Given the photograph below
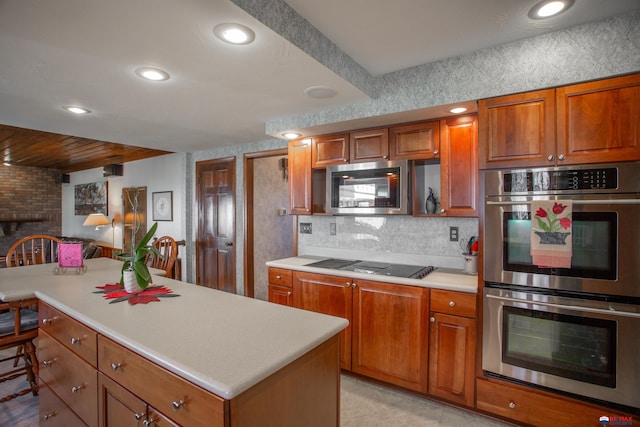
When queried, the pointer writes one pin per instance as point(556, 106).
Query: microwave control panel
point(554, 180)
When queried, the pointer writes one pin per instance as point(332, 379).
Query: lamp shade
point(96, 220)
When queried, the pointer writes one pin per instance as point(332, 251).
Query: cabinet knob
point(278, 277)
point(228, 244)
point(550, 157)
point(75, 340)
point(77, 388)
point(49, 320)
point(435, 152)
point(452, 303)
point(148, 422)
point(512, 405)
point(289, 293)
point(347, 285)
point(115, 366)
point(442, 210)
point(561, 157)
point(47, 417)
point(432, 319)
point(47, 363)
point(139, 416)
point(353, 285)
point(177, 405)
point(385, 157)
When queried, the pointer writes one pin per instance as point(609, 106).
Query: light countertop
point(223, 342)
point(442, 278)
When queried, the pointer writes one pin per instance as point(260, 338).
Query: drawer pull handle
point(46, 417)
point(76, 389)
point(177, 405)
point(75, 340)
point(47, 363)
point(452, 303)
point(512, 405)
point(49, 320)
point(115, 366)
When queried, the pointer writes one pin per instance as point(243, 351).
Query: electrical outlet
point(332, 228)
point(453, 234)
point(305, 228)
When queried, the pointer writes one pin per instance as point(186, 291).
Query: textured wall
point(27, 192)
point(273, 234)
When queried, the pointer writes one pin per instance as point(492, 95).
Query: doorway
point(269, 229)
point(215, 241)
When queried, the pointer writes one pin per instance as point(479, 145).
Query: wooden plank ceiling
point(27, 147)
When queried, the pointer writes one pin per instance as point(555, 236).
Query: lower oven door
point(581, 347)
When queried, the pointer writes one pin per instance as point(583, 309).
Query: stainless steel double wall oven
point(572, 330)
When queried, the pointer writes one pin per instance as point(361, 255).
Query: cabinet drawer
point(69, 377)
point(451, 302)
point(159, 387)
point(530, 406)
point(72, 334)
point(53, 412)
point(280, 277)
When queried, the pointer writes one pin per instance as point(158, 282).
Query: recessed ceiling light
point(76, 110)
point(234, 33)
point(291, 135)
point(320, 92)
point(458, 110)
point(549, 8)
point(151, 73)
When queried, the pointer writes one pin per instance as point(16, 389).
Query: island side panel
point(304, 393)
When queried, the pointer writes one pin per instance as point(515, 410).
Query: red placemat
point(116, 293)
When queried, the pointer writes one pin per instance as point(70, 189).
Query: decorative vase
point(432, 203)
point(130, 282)
point(552, 237)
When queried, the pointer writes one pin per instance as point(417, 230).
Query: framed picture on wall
point(91, 198)
point(162, 206)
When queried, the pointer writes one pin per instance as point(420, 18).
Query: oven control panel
point(553, 180)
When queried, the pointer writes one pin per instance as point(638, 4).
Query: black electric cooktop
point(377, 268)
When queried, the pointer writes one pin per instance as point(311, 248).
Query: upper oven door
point(604, 258)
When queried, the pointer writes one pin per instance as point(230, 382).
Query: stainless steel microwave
point(372, 188)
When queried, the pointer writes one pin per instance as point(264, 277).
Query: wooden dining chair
point(18, 329)
point(167, 246)
point(35, 249)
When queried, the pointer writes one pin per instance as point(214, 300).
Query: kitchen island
point(259, 362)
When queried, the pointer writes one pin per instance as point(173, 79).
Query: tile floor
point(364, 404)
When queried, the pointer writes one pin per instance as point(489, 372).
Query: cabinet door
point(417, 141)
point(328, 295)
point(280, 295)
point(452, 358)
point(517, 130)
point(369, 145)
point(330, 150)
point(459, 166)
point(390, 333)
point(117, 406)
point(299, 160)
point(599, 121)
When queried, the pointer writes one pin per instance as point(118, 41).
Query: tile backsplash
point(400, 239)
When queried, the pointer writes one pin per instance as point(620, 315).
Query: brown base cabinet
point(280, 286)
point(389, 333)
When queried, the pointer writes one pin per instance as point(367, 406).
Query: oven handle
point(575, 202)
point(568, 307)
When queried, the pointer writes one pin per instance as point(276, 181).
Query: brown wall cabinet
point(369, 145)
point(330, 150)
point(416, 141)
point(299, 155)
point(592, 122)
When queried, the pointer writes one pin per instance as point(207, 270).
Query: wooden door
point(328, 295)
point(599, 121)
point(390, 330)
point(299, 159)
point(452, 358)
point(369, 145)
point(459, 166)
point(517, 130)
point(215, 250)
point(415, 141)
point(330, 150)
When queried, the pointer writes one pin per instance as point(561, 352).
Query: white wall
point(164, 173)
